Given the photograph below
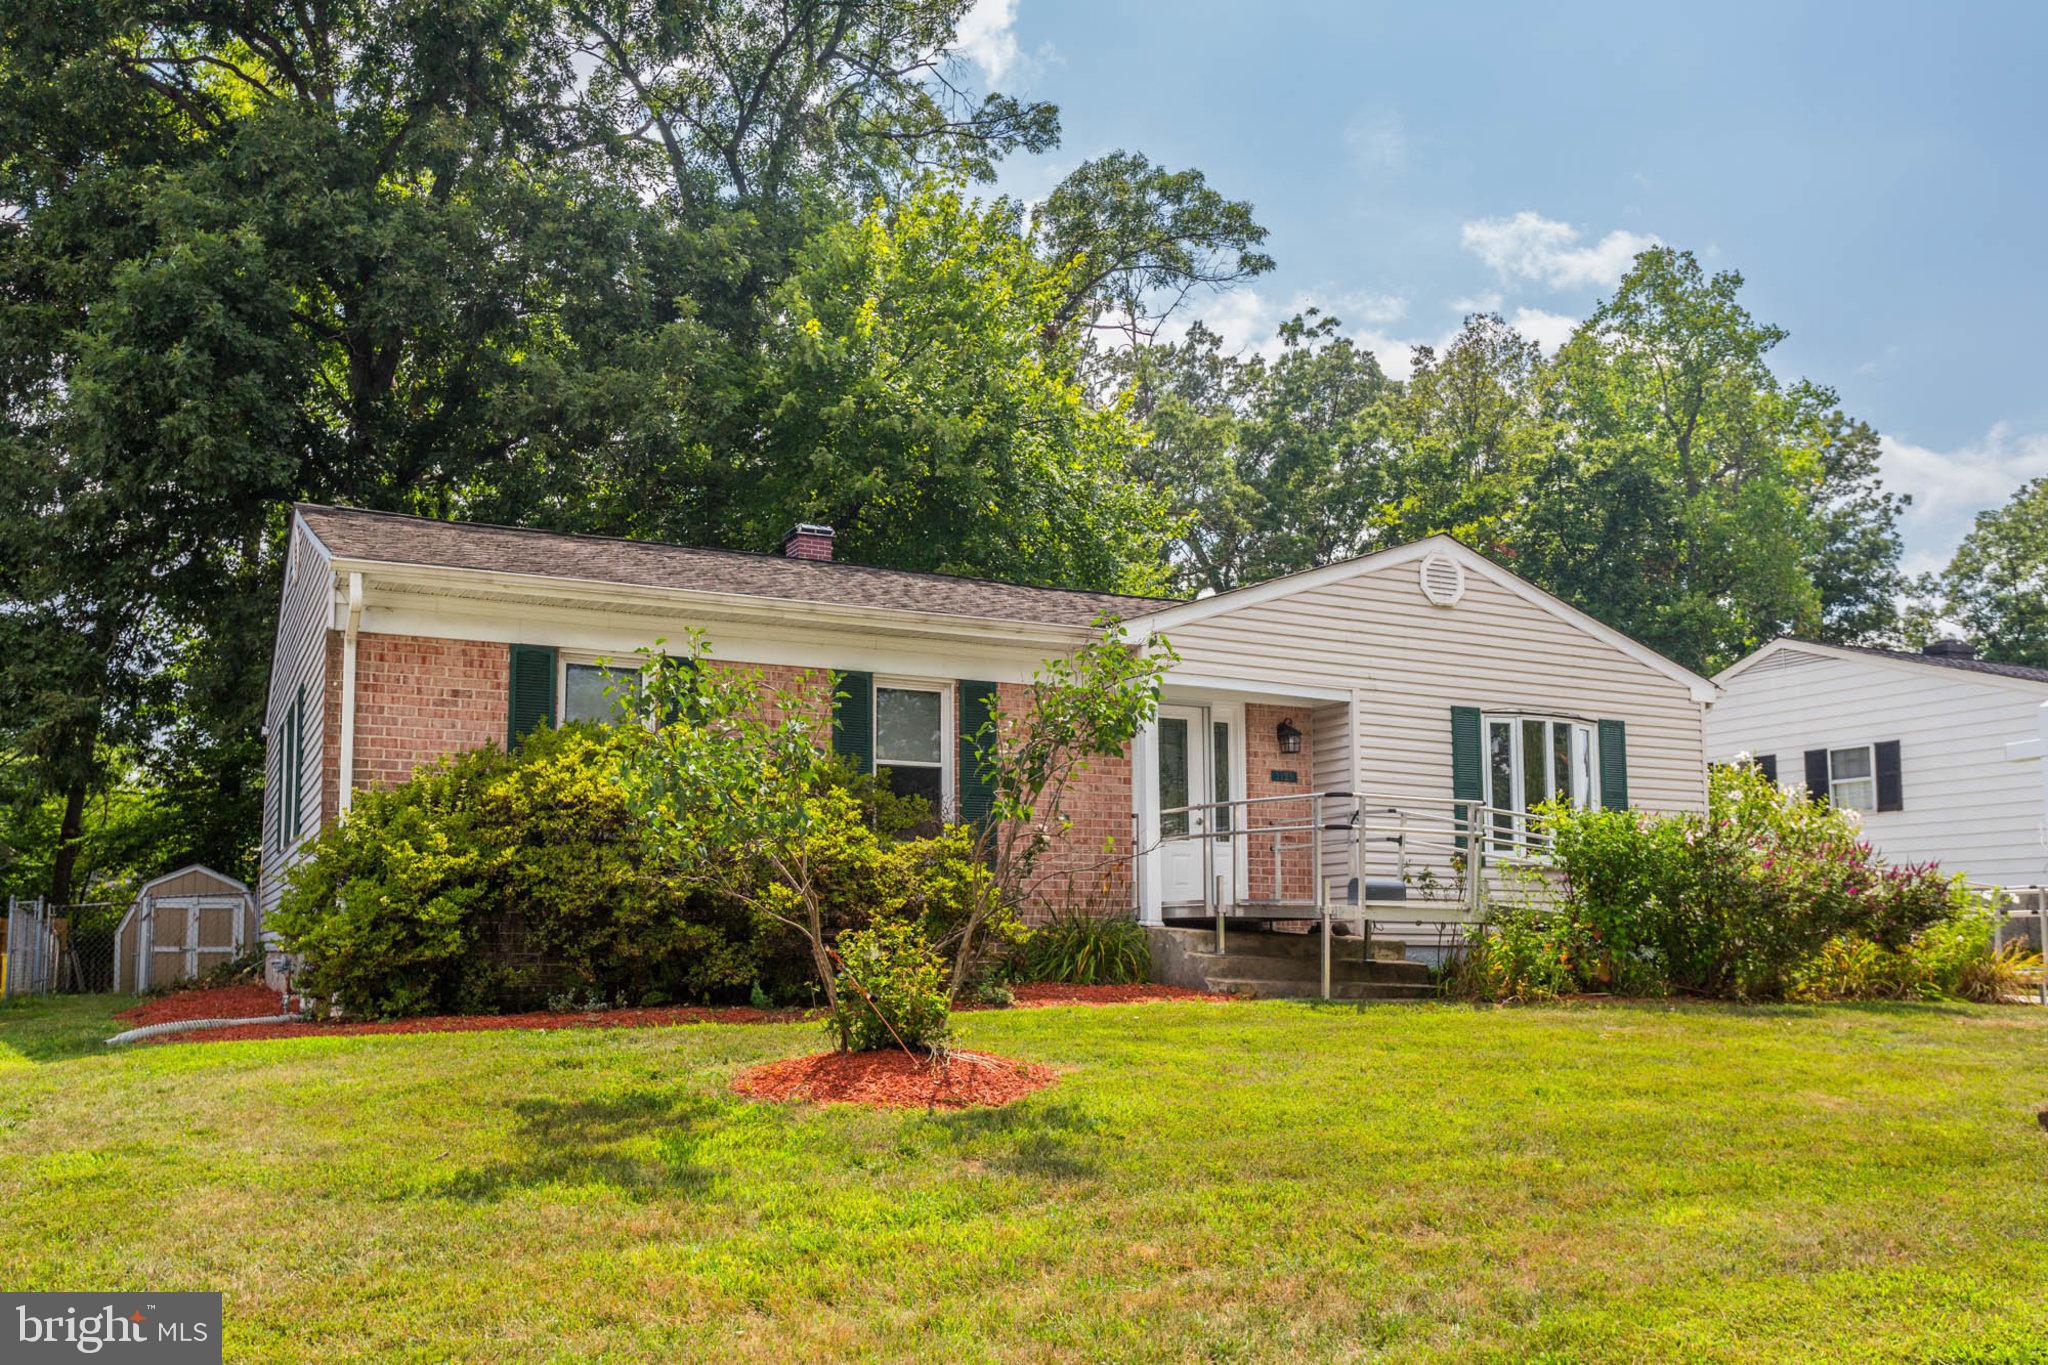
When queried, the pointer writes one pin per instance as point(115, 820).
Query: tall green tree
point(1996, 585)
point(922, 412)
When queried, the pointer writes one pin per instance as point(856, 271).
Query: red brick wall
point(418, 699)
point(1262, 758)
point(1089, 865)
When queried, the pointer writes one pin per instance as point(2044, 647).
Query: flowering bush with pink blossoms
point(1734, 903)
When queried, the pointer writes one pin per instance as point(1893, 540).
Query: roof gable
point(1166, 619)
point(1791, 645)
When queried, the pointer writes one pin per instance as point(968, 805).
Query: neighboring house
point(1939, 750)
point(1425, 676)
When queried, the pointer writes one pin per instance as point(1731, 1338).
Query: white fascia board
point(1702, 690)
point(696, 604)
point(596, 624)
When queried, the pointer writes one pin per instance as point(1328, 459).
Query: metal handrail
point(1463, 836)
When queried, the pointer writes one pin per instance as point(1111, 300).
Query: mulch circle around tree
point(221, 1002)
point(895, 1080)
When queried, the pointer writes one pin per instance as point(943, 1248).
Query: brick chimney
point(808, 541)
point(1950, 649)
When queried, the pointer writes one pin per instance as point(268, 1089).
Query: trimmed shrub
point(495, 881)
point(1765, 894)
point(1081, 949)
point(892, 989)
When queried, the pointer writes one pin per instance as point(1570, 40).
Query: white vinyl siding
point(1966, 804)
point(1410, 662)
point(298, 670)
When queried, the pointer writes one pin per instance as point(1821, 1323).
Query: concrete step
point(1276, 988)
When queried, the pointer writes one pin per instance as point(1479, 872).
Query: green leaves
point(1996, 586)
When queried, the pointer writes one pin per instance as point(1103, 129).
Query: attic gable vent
point(1443, 580)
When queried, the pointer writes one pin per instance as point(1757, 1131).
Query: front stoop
point(1271, 966)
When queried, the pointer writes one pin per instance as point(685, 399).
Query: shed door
point(188, 935)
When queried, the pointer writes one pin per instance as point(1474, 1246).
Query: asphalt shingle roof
point(391, 538)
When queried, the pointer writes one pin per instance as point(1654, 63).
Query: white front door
point(1196, 759)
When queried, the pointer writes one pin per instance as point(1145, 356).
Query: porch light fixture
point(1290, 738)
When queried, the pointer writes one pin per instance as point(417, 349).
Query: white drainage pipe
point(136, 1035)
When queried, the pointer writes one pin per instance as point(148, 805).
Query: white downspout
point(347, 784)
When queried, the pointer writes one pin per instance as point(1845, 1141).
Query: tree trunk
point(70, 832)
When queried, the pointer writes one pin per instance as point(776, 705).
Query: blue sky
point(1875, 171)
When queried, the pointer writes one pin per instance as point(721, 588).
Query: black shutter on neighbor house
point(1468, 768)
point(1817, 774)
point(853, 720)
point(976, 710)
point(1890, 792)
point(1613, 765)
point(1767, 764)
point(530, 702)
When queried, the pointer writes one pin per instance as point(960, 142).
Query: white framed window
point(914, 740)
point(1531, 760)
point(1852, 777)
point(594, 691)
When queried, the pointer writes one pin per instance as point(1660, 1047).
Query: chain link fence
point(59, 949)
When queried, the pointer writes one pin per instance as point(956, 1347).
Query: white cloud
point(987, 37)
point(1950, 487)
point(1529, 246)
point(1376, 142)
point(1377, 310)
point(1546, 329)
point(1488, 302)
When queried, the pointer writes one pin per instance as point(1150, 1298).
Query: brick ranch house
point(1404, 685)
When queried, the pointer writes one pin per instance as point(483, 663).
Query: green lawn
point(1228, 1181)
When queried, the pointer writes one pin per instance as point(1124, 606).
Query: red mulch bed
point(666, 1016)
point(222, 1002)
point(218, 1005)
point(895, 1080)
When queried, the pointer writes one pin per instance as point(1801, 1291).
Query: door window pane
point(1219, 767)
point(1173, 774)
point(907, 726)
point(595, 693)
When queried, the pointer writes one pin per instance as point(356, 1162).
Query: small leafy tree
point(740, 769)
point(1080, 709)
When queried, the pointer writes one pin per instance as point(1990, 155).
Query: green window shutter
point(531, 700)
point(853, 720)
point(1468, 774)
point(977, 704)
point(296, 783)
point(1613, 765)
